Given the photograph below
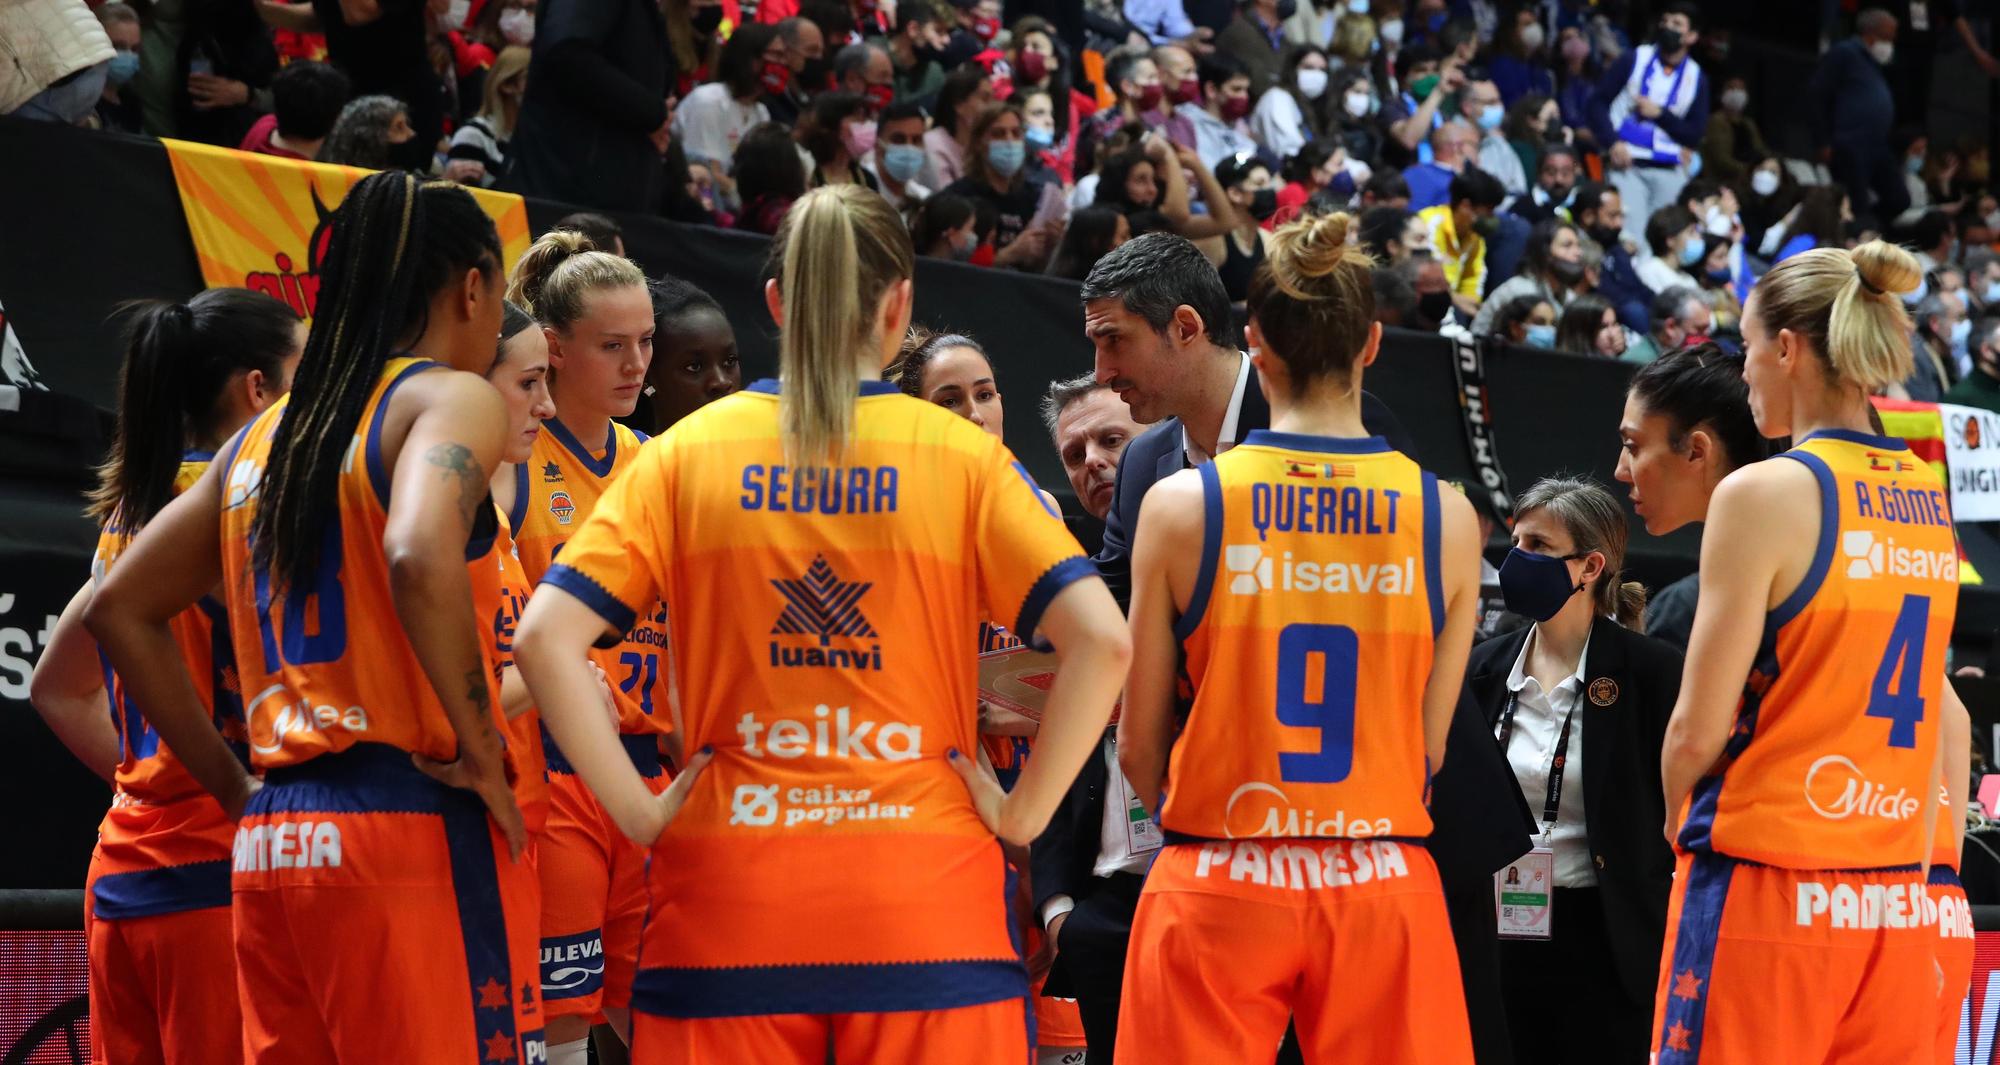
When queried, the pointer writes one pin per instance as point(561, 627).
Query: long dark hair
point(178, 359)
point(1321, 115)
point(1087, 240)
point(394, 242)
point(1059, 82)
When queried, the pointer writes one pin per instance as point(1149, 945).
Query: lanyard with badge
point(1524, 891)
point(1142, 833)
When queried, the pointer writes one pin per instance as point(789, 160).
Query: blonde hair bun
point(1886, 268)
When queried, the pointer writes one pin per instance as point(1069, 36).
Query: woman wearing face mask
point(1768, 196)
point(1041, 67)
point(1819, 221)
point(1319, 169)
point(368, 133)
point(478, 152)
point(692, 37)
point(1030, 212)
point(1527, 321)
point(1356, 128)
point(961, 100)
point(1551, 271)
point(1590, 326)
point(1245, 184)
point(838, 131)
point(1520, 64)
point(1579, 702)
point(946, 228)
point(1674, 244)
point(1299, 107)
point(1532, 122)
point(1733, 142)
point(1576, 78)
point(713, 119)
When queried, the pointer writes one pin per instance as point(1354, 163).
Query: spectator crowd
point(1539, 172)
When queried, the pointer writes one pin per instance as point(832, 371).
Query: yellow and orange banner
point(260, 222)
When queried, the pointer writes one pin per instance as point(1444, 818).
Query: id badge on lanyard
point(1142, 833)
point(1524, 890)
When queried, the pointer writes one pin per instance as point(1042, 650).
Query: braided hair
point(395, 242)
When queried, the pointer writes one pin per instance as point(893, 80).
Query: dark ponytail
point(395, 241)
point(1702, 387)
point(178, 359)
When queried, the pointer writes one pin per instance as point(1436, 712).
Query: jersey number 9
point(1316, 678)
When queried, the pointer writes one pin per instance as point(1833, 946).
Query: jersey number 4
point(1316, 678)
point(1902, 665)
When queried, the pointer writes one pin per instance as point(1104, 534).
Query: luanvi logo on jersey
point(1251, 571)
point(1869, 555)
point(822, 607)
point(1837, 790)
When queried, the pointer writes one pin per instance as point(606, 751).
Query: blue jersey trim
point(1829, 530)
point(1331, 445)
point(1697, 832)
point(365, 778)
point(1211, 550)
point(1706, 896)
point(518, 513)
point(1945, 876)
point(1851, 436)
point(769, 387)
point(882, 987)
point(600, 467)
point(378, 474)
point(197, 455)
point(1433, 564)
point(1059, 576)
point(482, 927)
point(643, 748)
point(594, 595)
point(167, 889)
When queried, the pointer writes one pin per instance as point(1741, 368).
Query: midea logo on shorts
point(1837, 790)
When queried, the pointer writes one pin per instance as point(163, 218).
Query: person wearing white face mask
point(1733, 143)
point(1852, 113)
point(1520, 64)
point(1480, 105)
point(1299, 108)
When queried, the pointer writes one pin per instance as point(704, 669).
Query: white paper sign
point(1972, 459)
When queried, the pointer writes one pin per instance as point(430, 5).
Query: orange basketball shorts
point(378, 917)
point(1792, 965)
point(1954, 957)
point(993, 1033)
point(593, 890)
point(1349, 937)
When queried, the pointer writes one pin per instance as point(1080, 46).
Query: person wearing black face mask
point(1599, 211)
point(917, 49)
point(1553, 271)
point(1244, 182)
point(1579, 703)
point(1650, 109)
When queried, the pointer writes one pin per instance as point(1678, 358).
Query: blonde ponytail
point(837, 252)
point(1849, 306)
point(558, 272)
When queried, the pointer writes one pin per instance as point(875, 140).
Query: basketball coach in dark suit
point(1156, 312)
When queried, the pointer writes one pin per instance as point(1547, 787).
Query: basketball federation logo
point(561, 506)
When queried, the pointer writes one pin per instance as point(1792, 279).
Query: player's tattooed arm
point(455, 462)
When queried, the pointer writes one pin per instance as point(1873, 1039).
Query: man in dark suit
point(1157, 314)
point(1631, 682)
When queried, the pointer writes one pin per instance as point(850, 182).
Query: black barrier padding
point(41, 910)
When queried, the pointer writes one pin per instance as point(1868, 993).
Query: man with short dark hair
point(1458, 234)
point(917, 48)
point(899, 155)
point(1156, 312)
point(1649, 111)
point(1554, 188)
point(1218, 117)
point(305, 99)
point(805, 56)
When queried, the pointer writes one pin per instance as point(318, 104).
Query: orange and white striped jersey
point(554, 492)
point(1827, 765)
point(829, 860)
point(1307, 641)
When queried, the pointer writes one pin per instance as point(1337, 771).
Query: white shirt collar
point(1519, 678)
point(1225, 439)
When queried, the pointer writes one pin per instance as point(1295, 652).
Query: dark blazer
point(1624, 809)
point(599, 79)
point(1156, 455)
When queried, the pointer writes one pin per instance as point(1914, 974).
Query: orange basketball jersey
point(554, 491)
point(1307, 640)
point(1828, 762)
point(829, 860)
point(327, 666)
point(524, 733)
point(164, 844)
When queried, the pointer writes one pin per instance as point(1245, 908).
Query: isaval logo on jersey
point(823, 608)
point(1869, 556)
point(1251, 572)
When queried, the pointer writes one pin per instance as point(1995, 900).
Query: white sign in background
point(1972, 460)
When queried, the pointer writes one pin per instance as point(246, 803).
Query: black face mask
point(1287, 8)
point(412, 154)
point(1486, 227)
point(1565, 271)
point(1668, 41)
point(927, 54)
point(813, 77)
point(1434, 306)
point(707, 20)
point(1604, 235)
point(1263, 204)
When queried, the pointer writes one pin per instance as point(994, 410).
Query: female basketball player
point(954, 372)
point(1324, 624)
point(829, 882)
point(339, 524)
point(1803, 758)
point(1687, 425)
point(694, 352)
point(156, 899)
point(597, 320)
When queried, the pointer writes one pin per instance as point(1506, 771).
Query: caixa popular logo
point(1836, 789)
point(822, 608)
point(573, 965)
point(561, 506)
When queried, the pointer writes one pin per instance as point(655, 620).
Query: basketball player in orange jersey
point(1323, 626)
point(954, 372)
point(832, 888)
point(156, 899)
point(1803, 759)
point(597, 320)
point(379, 911)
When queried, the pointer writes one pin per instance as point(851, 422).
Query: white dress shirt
point(1225, 439)
point(1538, 718)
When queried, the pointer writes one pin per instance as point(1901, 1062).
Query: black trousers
point(1565, 1003)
